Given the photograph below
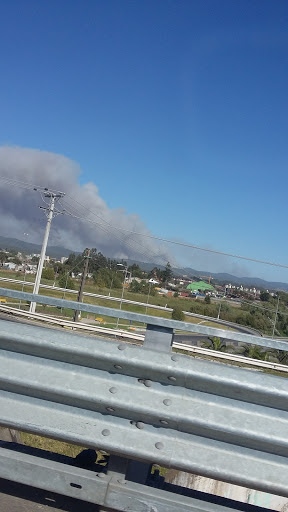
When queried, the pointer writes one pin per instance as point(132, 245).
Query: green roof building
point(199, 285)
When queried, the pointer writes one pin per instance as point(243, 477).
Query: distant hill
point(248, 281)
point(28, 248)
point(218, 278)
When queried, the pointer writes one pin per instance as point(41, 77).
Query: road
point(197, 339)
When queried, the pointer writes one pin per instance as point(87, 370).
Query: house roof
point(200, 285)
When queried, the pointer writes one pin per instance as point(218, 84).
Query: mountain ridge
point(225, 278)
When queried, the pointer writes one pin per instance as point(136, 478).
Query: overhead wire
point(184, 244)
point(110, 230)
point(41, 190)
point(257, 306)
point(147, 235)
point(129, 243)
point(25, 185)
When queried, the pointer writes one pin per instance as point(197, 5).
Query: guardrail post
point(158, 338)
point(117, 467)
point(138, 472)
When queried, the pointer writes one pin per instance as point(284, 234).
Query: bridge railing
point(153, 323)
point(142, 405)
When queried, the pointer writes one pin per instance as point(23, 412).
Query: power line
point(110, 227)
point(26, 185)
point(43, 190)
point(257, 306)
point(183, 244)
point(154, 237)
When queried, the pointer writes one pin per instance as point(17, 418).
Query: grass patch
point(50, 445)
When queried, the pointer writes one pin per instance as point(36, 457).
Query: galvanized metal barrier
point(132, 302)
point(139, 404)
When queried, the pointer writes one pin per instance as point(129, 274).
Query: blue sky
point(176, 110)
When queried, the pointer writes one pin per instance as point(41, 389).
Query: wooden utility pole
point(80, 294)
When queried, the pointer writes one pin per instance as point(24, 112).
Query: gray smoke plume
point(21, 217)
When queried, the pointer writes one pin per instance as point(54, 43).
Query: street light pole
point(275, 319)
point(23, 287)
point(81, 290)
point(111, 286)
point(148, 297)
point(123, 287)
point(219, 310)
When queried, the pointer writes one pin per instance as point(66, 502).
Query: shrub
point(177, 314)
point(48, 273)
point(66, 283)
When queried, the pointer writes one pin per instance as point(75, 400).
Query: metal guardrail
point(226, 356)
point(140, 403)
point(119, 333)
point(151, 320)
point(122, 334)
point(136, 303)
point(109, 489)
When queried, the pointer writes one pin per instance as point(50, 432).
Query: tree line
point(106, 272)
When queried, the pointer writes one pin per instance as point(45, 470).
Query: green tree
point(207, 299)
point(155, 273)
point(136, 271)
point(74, 262)
point(96, 261)
point(254, 352)
point(135, 287)
point(107, 278)
point(225, 308)
point(215, 344)
point(66, 282)
point(3, 257)
point(177, 314)
point(167, 274)
point(265, 296)
point(12, 252)
point(48, 273)
point(58, 268)
point(70, 262)
point(142, 287)
point(16, 260)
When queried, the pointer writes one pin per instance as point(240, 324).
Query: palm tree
point(215, 344)
point(254, 352)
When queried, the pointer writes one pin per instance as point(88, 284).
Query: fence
point(142, 405)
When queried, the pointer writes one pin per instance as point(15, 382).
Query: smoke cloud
point(21, 217)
